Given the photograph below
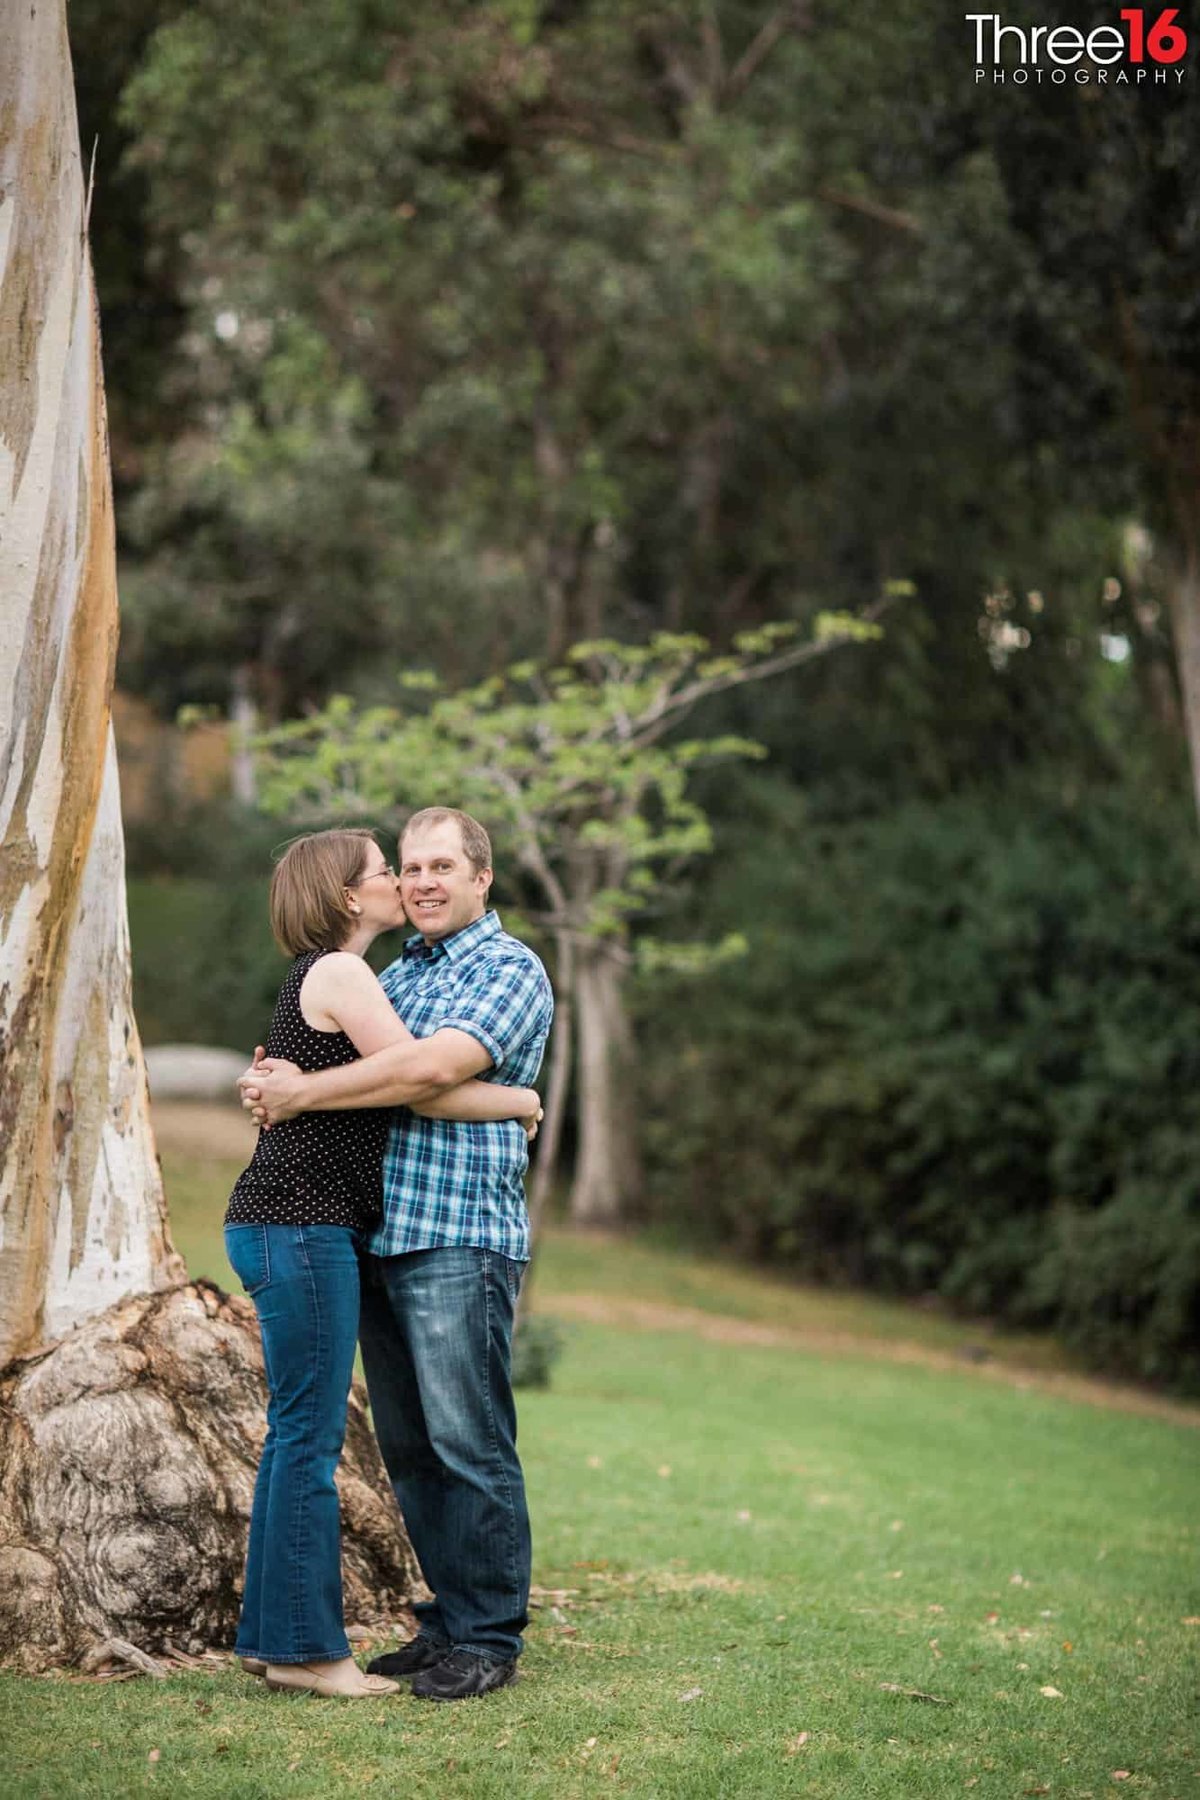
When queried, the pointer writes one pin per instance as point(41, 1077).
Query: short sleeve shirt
point(449, 1182)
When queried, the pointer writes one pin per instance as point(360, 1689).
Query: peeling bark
point(81, 1209)
point(128, 1454)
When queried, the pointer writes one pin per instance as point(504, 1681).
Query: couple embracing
point(406, 1228)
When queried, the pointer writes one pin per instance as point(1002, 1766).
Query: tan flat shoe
point(252, 1665)
point(342, 1680)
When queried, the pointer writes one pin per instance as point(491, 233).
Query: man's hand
point(272, 1090)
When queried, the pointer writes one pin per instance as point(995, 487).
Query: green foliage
point(572, 764)
point(205, 967)
point(537, 1346)
point(960, 1058)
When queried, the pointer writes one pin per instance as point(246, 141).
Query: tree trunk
point(1185, 629)
point(558, 1087)
point(607, 1170)
point(243, 720)
point(81, 1209)
point(127, 1447)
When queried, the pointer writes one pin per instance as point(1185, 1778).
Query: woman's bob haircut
point(309, 906)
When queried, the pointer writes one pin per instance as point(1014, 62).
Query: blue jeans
point(303, 1280)
point(437, 1349)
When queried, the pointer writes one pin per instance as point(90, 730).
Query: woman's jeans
point(437, 1331)
point(303, 1280)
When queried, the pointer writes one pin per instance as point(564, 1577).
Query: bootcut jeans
point(303, 1280)
point(436, 1333)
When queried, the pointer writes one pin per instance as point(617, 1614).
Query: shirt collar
point(460, 944)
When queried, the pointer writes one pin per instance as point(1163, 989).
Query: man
point(443, 1270)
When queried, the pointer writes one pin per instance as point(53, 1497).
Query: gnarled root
point(127, 1459)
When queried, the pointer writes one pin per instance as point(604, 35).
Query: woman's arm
point(482, 1100)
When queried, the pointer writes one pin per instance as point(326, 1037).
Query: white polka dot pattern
point(320, 1168)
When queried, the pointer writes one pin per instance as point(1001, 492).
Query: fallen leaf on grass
point(1016, 1579)
point(664, 1470)
point(1050, 1693)
point(154, 1756)
point(1043, 1789)
point(293, 1765)
point(895, 1574)
point(1120, 1774)
point(894, 1687)
point(990, 1618)
point(1192, 1619)
point(691, 1694)
point(503, 1741)
point(797, 1743)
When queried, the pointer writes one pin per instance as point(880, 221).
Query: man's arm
point(395, 1076)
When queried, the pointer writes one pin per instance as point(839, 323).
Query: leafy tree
point(580, 766)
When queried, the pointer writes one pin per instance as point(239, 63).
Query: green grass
point(752, 1542)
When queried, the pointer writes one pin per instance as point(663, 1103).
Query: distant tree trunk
point(128, 1401)
point(1184, 598)
point(243, 718)
point(558, 1085)
point(607, 1168)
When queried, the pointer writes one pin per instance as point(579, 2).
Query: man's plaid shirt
point(452, 1182)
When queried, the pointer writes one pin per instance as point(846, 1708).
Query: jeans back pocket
point(249, 1256)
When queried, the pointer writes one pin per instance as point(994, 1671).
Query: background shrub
point(961, 1058)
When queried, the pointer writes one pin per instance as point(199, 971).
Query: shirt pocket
point(249, 1256)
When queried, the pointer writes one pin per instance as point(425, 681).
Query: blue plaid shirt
point(452, 1182)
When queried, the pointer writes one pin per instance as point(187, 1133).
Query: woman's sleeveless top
point(320, 1168)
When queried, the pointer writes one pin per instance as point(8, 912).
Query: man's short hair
point(475, 841)
point(309, 909)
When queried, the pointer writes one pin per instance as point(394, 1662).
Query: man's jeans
point(303, 1280)
point(437, 1347)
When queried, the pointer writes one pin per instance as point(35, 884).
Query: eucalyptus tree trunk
point(131, 1404)
point(82, 1222)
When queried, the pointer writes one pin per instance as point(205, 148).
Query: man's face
point(440, 889)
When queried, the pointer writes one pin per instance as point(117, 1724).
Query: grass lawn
point(765, 1571)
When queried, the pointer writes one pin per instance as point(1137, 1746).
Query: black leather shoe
point(419, 1653)
point(463, 1675)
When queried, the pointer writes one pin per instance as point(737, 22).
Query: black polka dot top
point(320, 1168)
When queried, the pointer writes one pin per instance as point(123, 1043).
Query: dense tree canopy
point(457, 334)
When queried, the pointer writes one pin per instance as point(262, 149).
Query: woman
point(291, 1234)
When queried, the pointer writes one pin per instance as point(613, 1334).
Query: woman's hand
point(531, 1124)
point(272, 1090)
point(532, 1116)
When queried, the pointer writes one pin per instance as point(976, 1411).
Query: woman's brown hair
point(309, 910)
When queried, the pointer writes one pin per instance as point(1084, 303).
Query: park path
point(717, 1328)
point(226, 1133)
